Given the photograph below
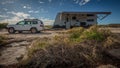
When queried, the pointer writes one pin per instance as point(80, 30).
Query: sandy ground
point(11, 53)
point(29, 35)
point(113, 30)
point(14, 51)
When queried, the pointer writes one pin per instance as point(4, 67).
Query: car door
point(20, 25)
point(27, 25)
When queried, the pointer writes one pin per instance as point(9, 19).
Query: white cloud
point(41, 2)
point(3, 16)
point(8, 2)
point(19, 14)
point(47, 21)
point(12, 20)
point(76, 1)
point(5, 9)
point(81, 2)
point(31, 11)
point(36, 12)
point(50, 1)
point(26, 7)
point(17, 17)
point(42, 10)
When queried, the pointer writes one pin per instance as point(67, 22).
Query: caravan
point(76, 19)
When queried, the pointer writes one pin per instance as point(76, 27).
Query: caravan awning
point(100, 15)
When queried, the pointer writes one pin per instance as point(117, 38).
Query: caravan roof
point(85, 12)
point(100, 15)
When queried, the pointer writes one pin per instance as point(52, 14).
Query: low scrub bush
point(48, 26)
point(38, 44)
point(3, 25)
point(2, 39)
point(83, 55)
point(62, 56)
point(93, 33)
point(92, 36)
point(75, 34)
point(81, 48)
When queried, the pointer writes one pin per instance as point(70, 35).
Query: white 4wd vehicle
point(33, 25)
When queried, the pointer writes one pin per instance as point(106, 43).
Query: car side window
point(40, 22)
point(27, 23)
point(34, 22)
point(21, 23)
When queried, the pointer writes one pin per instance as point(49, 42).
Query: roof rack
point(30, 19)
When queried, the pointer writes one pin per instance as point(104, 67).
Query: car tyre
point(33, 30)
point(11, 30)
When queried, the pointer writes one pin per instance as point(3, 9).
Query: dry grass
point(63, 56)
point(3, 25)
point(80, 48)
point(3, 39)
point(93, 33)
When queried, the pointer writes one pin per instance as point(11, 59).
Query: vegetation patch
point(3, 25)
point(2, 39)
point(93, 33)
point(79, 48)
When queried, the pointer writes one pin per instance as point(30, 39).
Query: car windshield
point(21, 23)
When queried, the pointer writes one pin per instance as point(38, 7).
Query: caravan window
point(82, 23)
point(90, 20)
point(90, 15)
point(73, 18)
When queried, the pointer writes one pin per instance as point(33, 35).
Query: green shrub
point(92, 36)
point(62, 56)
point(3, 25)
point(2, 39)
point(105, 32)
point(48, 26)
point(93, 33)
point(86, 50)
point(75, 33)
point(38, 44)
point(77, 29)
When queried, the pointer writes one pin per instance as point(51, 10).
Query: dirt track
point(13, 52)
point(29, 35)
point(48, 33)
point(114, 30)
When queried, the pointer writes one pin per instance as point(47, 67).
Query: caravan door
point(67, 25)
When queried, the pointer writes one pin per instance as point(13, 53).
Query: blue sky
point(46, 10)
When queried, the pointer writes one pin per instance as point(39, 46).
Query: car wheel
point(33, 30)
point(11, 30)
